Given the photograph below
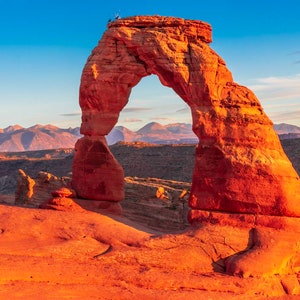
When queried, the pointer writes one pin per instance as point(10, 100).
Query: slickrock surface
point(239, 166)
point(46, 254)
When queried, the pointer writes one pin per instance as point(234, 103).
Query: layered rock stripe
point(240, 165)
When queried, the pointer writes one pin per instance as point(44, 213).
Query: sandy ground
point(47, 254)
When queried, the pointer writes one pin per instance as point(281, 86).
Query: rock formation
point(24, 190)
point(33, 192)
point(239, 163)
point(62, 199)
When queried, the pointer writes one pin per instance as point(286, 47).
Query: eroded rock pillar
point(97, 176)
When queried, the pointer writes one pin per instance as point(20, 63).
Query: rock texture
point(239, 165)
point(97, 174)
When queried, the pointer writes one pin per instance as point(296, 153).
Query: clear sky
point(45, 44)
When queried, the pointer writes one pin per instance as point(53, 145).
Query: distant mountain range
point(287, 131)
point(39, 137)
point(155, 133)
point(16, 138)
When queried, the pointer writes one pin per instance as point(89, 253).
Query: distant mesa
point(152, 128)
point(284, 128)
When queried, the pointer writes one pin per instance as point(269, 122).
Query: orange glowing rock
point(64, 192)
point(239, 163)
point(98, 175)
point(24, 190)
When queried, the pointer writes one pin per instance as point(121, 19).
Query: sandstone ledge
point(80, 255)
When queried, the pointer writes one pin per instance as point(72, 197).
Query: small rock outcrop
point(240, 166)
point(62, 200)
point(35, 191)
point(24, 191)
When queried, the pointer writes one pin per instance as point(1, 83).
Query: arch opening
point(150, 101)
point(161, 157)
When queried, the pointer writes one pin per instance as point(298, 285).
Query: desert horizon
point(42, 137)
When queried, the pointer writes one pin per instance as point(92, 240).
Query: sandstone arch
point(239, 163)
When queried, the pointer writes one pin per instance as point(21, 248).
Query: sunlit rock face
point(239, 163)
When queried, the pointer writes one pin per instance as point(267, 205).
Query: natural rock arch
point(240, 165)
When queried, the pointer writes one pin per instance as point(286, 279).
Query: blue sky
point(45, 44)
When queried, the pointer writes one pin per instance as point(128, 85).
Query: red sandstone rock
point(24, 190)
point(239, 165)
point(62, 204)
point(64, 192)
point(98, 176)
point(270, 252)
point(291, 285)
point(109, 207)
point(33, 192)
point(80, 255)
